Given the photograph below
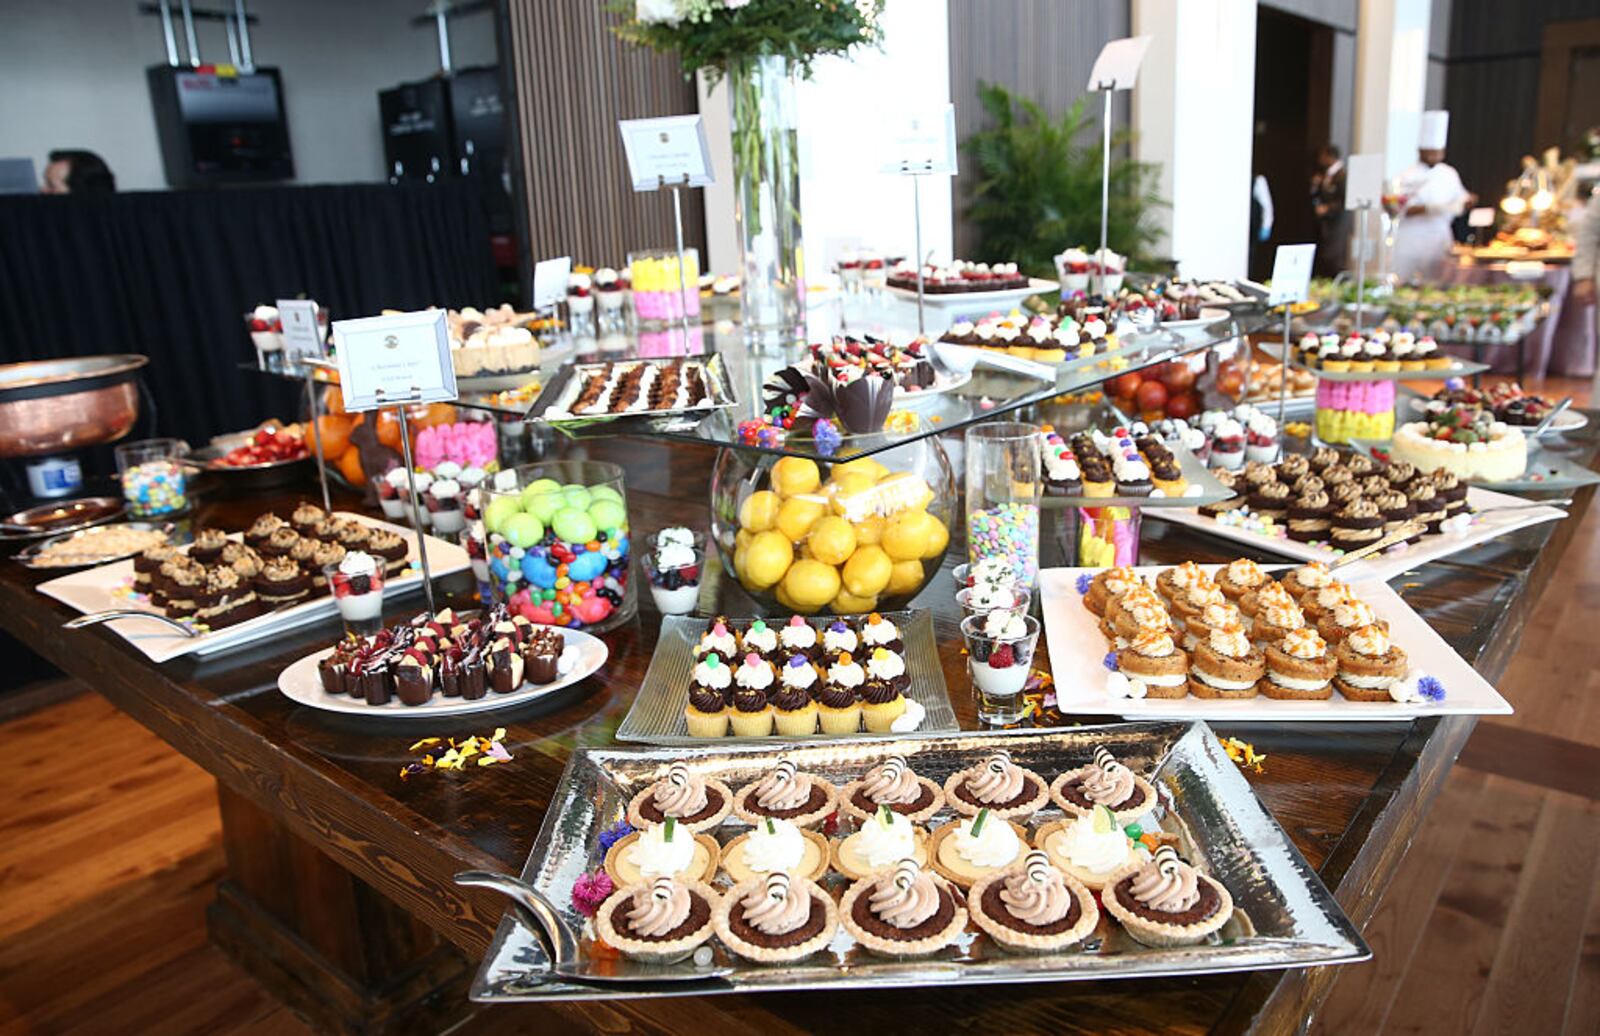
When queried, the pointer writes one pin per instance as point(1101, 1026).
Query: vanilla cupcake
point(839, 702)
point(1299, 667)
point(753, 715)
point(794, 710)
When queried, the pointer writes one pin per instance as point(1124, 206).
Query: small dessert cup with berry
point(673, 565)
point(357, 585)
point(999, 655)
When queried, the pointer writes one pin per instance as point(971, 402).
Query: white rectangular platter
point(1433, 546)
point(1078, 652)
point(104, 588)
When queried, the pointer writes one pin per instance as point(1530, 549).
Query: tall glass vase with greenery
point(1037, 184)
point(761, 47)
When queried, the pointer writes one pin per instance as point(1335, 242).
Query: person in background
point(1434, 196)
point(1586, 259)
point(1327, 206)
point(78, 172)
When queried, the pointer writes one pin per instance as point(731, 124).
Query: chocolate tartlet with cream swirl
point(698, 803)
point(784, 793)
point(1033, 907)
point(1166, 902)
point(776, 918)
point(1107, 782)
point(660, 921)
point(1005, 789)
point(891, 783)
point(903, 912)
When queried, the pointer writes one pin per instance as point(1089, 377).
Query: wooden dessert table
point(339, 896)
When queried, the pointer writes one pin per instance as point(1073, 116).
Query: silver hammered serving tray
point(1283, 916)
point(656, 717)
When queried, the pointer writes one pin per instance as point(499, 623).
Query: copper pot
point(51, 406)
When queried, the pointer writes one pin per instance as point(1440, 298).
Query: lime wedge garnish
point(1104, 820)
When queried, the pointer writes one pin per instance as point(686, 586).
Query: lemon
point(783, 598)
point(810, 584)
point(766, 559)
point(759, 511)
point(792, 476)
point(851, 482)
point(797, 515)
point(938, 538)
point(906, 578)
point(868, 571)
point(742, 538)
point(847, 603)
point(869, 530)
point(865, 465)
point(832, 540)
point(907, 535)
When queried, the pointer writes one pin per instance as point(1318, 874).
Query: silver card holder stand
point(411, 483)
point(917, 170)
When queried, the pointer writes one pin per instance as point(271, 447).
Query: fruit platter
point(272, 453)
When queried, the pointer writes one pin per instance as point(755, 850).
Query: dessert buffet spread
point(1377, 353)
point(1239, 641)
point(1076, 855)
point(791, 677)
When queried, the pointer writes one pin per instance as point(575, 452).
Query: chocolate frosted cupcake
point(1005, 789)
point(660, 921)
point(207, 546)
point(776, 918)
point(1033, 907)
point(1357, 524)
point(1104, 782)
point(698, 803)
point(904, 912)
point(1310, 517)
point(891, 783)
point(784, 793)
point(1166, 902)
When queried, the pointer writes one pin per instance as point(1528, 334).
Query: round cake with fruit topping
point(1468, 443)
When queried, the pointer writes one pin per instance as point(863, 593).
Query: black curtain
point(171, 275)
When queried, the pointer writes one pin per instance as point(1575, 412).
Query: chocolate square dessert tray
point(1283, 915)
point(708, 374)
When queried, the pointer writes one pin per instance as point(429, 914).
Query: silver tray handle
point(559, 939)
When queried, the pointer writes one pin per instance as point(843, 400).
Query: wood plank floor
point(109, 847)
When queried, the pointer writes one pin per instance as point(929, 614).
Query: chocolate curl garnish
point(661, 888)
point(1104, 759)
point(998, 762)
point(861, 406)
point(1167, 860)
point(778, 886)
point(893, 767)
point(678, 775)
point(906, 873)
point(784, 771)
point(1038, 865)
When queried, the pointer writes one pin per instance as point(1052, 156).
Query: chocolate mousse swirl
point(782, 789)
point(1166, 883)
point(790, 699)
point(682, 794)
point(891, 782)
point(659, 908)
point(1037, 895)
point(1106, 781)
point(836, 697)
point(750, 699)
point(705, 700)
point(997, 780)
point(879, 692)
point(905, 898)
point(777, 909)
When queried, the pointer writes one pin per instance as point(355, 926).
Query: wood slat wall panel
point(571, 79)
point(1040, 49)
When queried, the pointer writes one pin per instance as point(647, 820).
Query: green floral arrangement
point(719, 35)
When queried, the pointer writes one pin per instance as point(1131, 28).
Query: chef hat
point(1434, 129)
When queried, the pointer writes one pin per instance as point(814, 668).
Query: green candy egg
point(500, 509)
point(604, 493)
point(573, 525)
point(608, 514)
point(536, 489)
point(523, 530)
point(576, 496)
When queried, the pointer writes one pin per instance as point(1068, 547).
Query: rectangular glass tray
point(656, 716)
point(1283, 917)
point(1458, 369)
point(1546, 471)
point(1194, 472)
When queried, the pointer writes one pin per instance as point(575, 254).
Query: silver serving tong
point(1400, 535)
point(561, 944)
point(1555, 412)
point(112, 614)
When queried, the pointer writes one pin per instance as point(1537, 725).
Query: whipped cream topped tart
point(891, 783)
point(903, 912)
point(878, 843)
point(1092, 848)
point(786, 794)
point(1005, 789)
point(1033, 907)
point(667, 849)
point(774, 918)
point(1104, 782)
point(776, 846)
point(698, 803)
point(1166, 902)
point(658, 921)
point(971, 849)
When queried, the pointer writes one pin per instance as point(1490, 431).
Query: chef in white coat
point(1434, 196)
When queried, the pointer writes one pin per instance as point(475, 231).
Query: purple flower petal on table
point(614, 834)
point(1430, 688)
point(1110, 661)
point(1083, 583)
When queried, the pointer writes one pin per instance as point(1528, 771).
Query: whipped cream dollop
point(358, 563)
point(1004, 626)
point(760, 637)
point(798, 635)
point(754, 674)
point(878, 631)
point(1153, 644)
point(799, 673)
point(1230, 641)
point(846, 672)
point(839, 637)
point(887, 837)
point(885, 665)
point(994, 844)
point(1303, 643)
point(1370, 641)
point(1099, 852)
point(658, 908)
point(720, 639)
point(713, 673)
point(656, 852)
point(774, 845)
